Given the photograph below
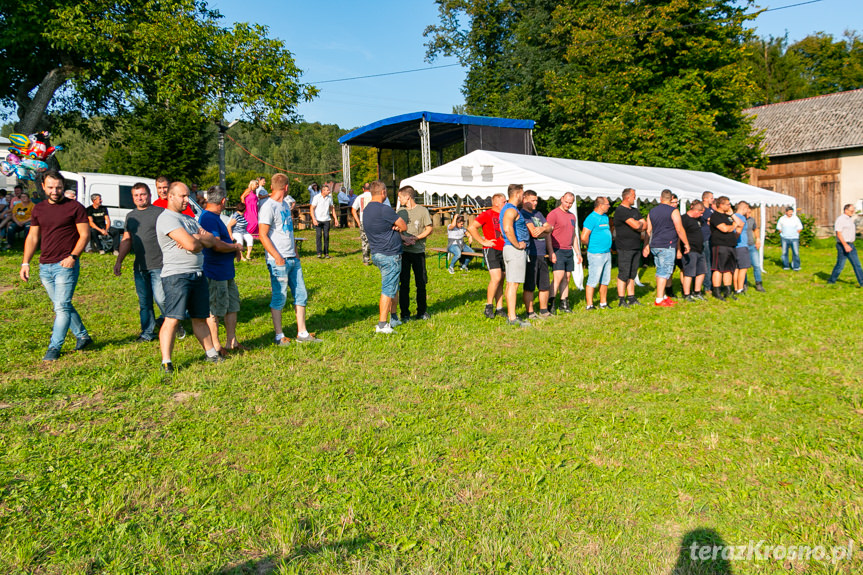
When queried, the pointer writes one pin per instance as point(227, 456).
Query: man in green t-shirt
point(419, 227)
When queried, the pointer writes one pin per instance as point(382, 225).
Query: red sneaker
point(664, 303)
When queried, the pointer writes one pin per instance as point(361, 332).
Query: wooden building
point(815, 146)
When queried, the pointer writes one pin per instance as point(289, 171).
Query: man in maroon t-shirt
point(64, 229)
point(492, 243)
point(564, 253)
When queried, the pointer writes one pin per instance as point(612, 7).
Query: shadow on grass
point(271, 563)
point(701, 553)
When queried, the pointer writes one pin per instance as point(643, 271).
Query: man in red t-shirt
point(162, 184)
point(64, 229)
point(562, 255)
point(492, 243)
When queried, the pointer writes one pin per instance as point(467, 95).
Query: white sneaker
point(395, 322)
point(452, 271)
point(386, 329)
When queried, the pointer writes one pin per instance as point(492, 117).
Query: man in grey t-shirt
point(186, 290)
point(276, 232)
point(140, 235)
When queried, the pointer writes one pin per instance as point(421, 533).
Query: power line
point(611, 39)
point(389, 73)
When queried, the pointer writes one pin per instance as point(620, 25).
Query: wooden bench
point(443, 256)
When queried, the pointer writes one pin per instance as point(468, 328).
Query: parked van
point(116, 192)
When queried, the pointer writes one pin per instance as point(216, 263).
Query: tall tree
point(816, 65)
point(95, 56)
point(653, 82)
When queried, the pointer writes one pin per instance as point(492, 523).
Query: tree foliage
point(95, 56)
point(651, 82)
point(816, 65)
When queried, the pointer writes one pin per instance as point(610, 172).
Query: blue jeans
point(60, 284)
point(794, 244)
point(148, 286)
point(851, 256)
point(755, 258)
point(283, 277)
point(456, 254)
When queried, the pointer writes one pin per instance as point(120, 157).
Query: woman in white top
point(455, 235)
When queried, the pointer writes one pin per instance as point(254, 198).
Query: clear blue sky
point(334, 39)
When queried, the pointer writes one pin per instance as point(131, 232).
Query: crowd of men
point(186, 266)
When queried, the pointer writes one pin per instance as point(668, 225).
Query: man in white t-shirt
point(357, 211)
point(846, 232)
point(789, 227)
point(321, 210)
point(276, 232)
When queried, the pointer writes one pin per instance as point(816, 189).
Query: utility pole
point(222, 129)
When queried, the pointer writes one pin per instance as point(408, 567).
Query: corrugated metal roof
point(829, 122)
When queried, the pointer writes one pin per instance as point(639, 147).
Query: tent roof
point(400, 132)
point(483, 173)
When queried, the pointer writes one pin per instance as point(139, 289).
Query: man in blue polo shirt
point(219, 271)
point(597, 235)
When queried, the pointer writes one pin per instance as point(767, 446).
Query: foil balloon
point(20, 140)
point(13, 158)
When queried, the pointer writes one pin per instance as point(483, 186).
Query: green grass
point(592, 443)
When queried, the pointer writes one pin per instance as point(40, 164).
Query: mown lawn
point(601, 442)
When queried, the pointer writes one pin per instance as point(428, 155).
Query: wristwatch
point(74, 257)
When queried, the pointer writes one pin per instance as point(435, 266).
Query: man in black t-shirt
point(707, 200)
point(628, 227)
point(724, 229)
point(694, 262)
point(100, 227)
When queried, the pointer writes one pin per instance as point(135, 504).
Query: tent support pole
point(346, 165)
point(762, 232)
point(425, 145)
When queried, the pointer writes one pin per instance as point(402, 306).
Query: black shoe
point(604, 306)
point(717, 293)
point(83, 342)
point(167, 368)
point(622, 303)
point(500, 313)
point(181, 331)
point(633, 301)
point(729, 293)
point(51, 355)
point(142, 339)
point(759, 287)
point(688, 298)
point(590, 308)
point(489, 312)
point(564, 306)
point(421, 317)
point(215, 359)
point(551, 308)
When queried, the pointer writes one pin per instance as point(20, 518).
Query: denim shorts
point(598, 269)
point(391, 269)
point(283, 277)
point(664, 259)
point(186, 292)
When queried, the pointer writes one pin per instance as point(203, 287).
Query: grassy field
point(601, 442)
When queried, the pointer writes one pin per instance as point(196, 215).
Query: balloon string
point(282, 169)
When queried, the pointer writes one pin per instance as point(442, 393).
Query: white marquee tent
point(483, 174)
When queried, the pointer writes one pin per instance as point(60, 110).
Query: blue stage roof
point(400, 132)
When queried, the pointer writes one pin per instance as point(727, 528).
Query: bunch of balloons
point(27, 155)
